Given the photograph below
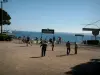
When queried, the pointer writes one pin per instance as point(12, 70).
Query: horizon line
point(55, 32)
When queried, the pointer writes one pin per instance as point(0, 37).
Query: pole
point(76, 38)
point(91, 37)
point(1, 16)
point(41, 35)
point(82, 39)
point(95, 37)
point(53, 37)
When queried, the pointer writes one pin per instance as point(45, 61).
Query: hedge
point(4, 37)
point(93, 42)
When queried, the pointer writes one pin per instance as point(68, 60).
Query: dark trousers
point(75, 50)
point(43, 52)
point(68, 51)
point(52, 48)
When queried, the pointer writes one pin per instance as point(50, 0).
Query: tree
point(6, 18)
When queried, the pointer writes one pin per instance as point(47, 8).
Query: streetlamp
point(4, 1)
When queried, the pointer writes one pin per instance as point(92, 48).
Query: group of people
point(50, 40)
point(26, 40)
point(69, 49)
point(59, 40)
point(43, 44)
point(44, 48)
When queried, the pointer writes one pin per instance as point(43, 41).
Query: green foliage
point(6, 17)
point(4, 37)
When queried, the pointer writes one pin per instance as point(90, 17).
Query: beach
point(17, 59)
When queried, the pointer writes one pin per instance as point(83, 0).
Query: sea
point(64, 36)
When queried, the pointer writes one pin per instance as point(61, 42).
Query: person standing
point(68, 47)
point(23, 39)
point(53, 39)
point(50, 40)
point(76, 48)
point(44, 47)
point(60, 40)
point(53, 46)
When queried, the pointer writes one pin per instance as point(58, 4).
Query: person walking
point(23, 39)
point(28, 41)
point(76, 47)
point(68, 47)
point(44, 47)
point(31, 41)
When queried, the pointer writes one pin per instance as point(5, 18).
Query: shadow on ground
point(61, 55)
point(90, 68)
point(22, 46)
point(17, 43)
point(64, 55)
point(36, 57)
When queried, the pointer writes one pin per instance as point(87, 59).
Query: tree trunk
point(95, 37)
point(1, 29)
point(1, 16)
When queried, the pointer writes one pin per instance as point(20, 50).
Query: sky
point(61, 15)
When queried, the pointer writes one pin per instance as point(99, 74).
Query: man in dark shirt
point(68, 47)
point(27, 40)
point(44, 47)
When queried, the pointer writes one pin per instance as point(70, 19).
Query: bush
point(92, 42)
point(4, 37)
